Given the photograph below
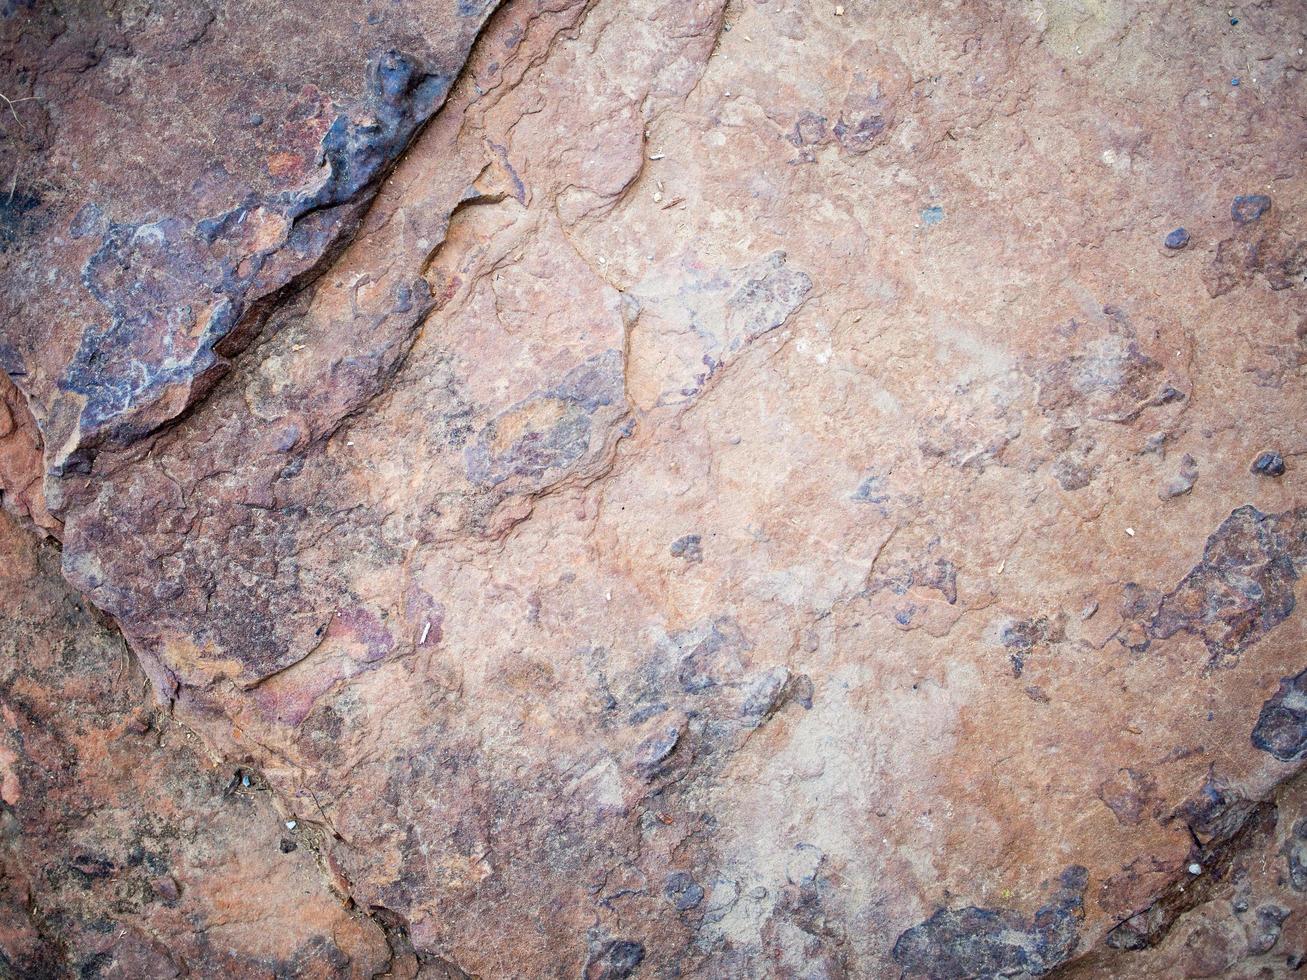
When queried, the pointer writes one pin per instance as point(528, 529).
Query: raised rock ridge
point(655, 488)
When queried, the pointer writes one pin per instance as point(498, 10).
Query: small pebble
point(1269, 464)
point(1177, 239)
point(290, 824)
point(1234, 82)
point(1234, 21)
point(1195, 869)
point(245, 780)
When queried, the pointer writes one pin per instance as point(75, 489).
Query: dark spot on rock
point(809, 130)
point(1270, 919)
point(1269, 464)
point(689, 547)
point(1073, 472)
point(1025, 636)
point(682, 891)
point(399, 97)
point(859, 135)
point(17, 216)
point(1176, 239)
point(872, 491)
point(653, 753)
point(551, 431)
point(709, 655)
point(1248, 207)
point(982, 942)
point(1295, 854)
point(1281, 727)
point(616, 959)
point(287, 845)
point(1241, 589)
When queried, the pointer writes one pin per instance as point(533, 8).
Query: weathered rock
point(722, 497)
point(124, 850)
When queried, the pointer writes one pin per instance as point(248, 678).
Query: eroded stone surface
point(125, 851)
point(751, 494)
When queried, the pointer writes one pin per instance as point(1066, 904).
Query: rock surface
point(666, 488)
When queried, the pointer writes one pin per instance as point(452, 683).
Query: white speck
point(608, 596)
point(658, 197)
point(602, 260)
point(1195, 869)
point(290, 824)
point(349, 442)
point(426, 629)
point(839, 10)
point(1130, 531)
point(657, 156)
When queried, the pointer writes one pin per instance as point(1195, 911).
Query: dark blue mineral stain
point(956, 944)
point(399, 97)
point(18, 210)
point(1248, 208)
point(173, 290)
point(1241, 589)
point(614, 959)
point(688, 547)
point(682, 891)
point(1281, 727)
point(555, 426)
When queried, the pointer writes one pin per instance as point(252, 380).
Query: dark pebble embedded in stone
point(682, 891)
point(1177, 239)
point(1269, 464)
point(1249, 207)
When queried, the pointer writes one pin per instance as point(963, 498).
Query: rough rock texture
point(677, 487)
point(124, 851)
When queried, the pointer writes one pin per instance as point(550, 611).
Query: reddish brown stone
point(742, 491)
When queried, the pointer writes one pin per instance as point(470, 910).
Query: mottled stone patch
point(553, 432)
point(987, 942)
point(1281, 727)
point(1241, 589)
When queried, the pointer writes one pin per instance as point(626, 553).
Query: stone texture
point(743, 490)
point(124, 850)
